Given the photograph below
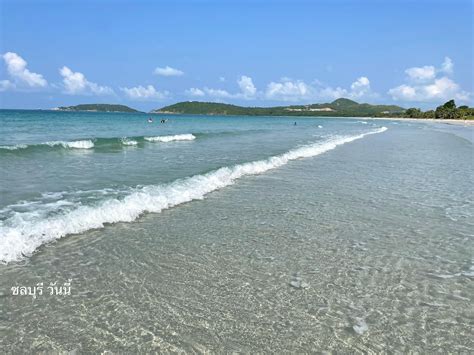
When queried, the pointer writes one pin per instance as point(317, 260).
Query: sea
point(218, 234)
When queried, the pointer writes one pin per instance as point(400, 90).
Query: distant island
point(338, 108)
point(97, 108)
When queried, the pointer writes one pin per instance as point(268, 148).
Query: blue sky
point(148, 54)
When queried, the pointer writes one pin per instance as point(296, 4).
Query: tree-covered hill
point(98, 108)
point(340, 108)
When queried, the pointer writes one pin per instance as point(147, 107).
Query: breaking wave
point(116, 142)
point(85, 144)
point(129, 142)
point(177, 137)
point(21, 233)
point(96, 143)
point(80, 144)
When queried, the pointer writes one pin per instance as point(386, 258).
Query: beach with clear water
point(222, 234)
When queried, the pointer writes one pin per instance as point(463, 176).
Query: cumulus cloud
point(428, 72)
point(246, 86)
point(360, 87)
point(145, 93)
point(168, 71)
point(195, 92)
point(296, 91)
point(218, 93)
point(440, 89)
point(288, 90)
point(17, 69)
point(6, 85)
point(330, 93)
point(248, 91)
point(447, 66)
point(76, 83)
point(429, 84)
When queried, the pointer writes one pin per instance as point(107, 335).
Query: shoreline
point(465, 123)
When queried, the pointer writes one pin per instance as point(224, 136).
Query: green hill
point(97, 108)
point(338, 108)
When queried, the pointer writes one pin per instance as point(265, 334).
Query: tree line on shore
point(446, 111)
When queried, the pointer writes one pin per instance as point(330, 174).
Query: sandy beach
point(432, 120)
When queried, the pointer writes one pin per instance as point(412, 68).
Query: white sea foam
point(13, 147)
point(84, 144)
point(126, 141)
point(22, 234)
point(165, 139)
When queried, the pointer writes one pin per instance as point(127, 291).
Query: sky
point(149, 54)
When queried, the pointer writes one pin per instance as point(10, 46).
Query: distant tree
point(447, 111)
point(465, 112)
point(429, 114)
point(450, 105)
point(413, 112)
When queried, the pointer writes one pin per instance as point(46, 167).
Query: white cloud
point(247, 87)
point(289, 90)
point(221, 79)
point(403, 92)
point(6, 85)
point(76, 83)
point(168, 71)
point(16, 68)
point(428, 72)
point(440, 89)
point(218, 93)
point(145, 93)
point(194, 92)
point(248, 91)
point(360, 87)
point(425, 86)
point(443, 88)
point(329, 93)
point(447, 66)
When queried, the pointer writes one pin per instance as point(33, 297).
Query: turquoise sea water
point(235, 233)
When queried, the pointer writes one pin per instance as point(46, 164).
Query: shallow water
point(376, 235)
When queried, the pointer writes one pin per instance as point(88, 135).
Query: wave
point(84, 144)
point(80, 144)
point(22, 233)
point(116, 142)
point(14, 147)
point(96, 143)
point(165, 139)
point(129, 142)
